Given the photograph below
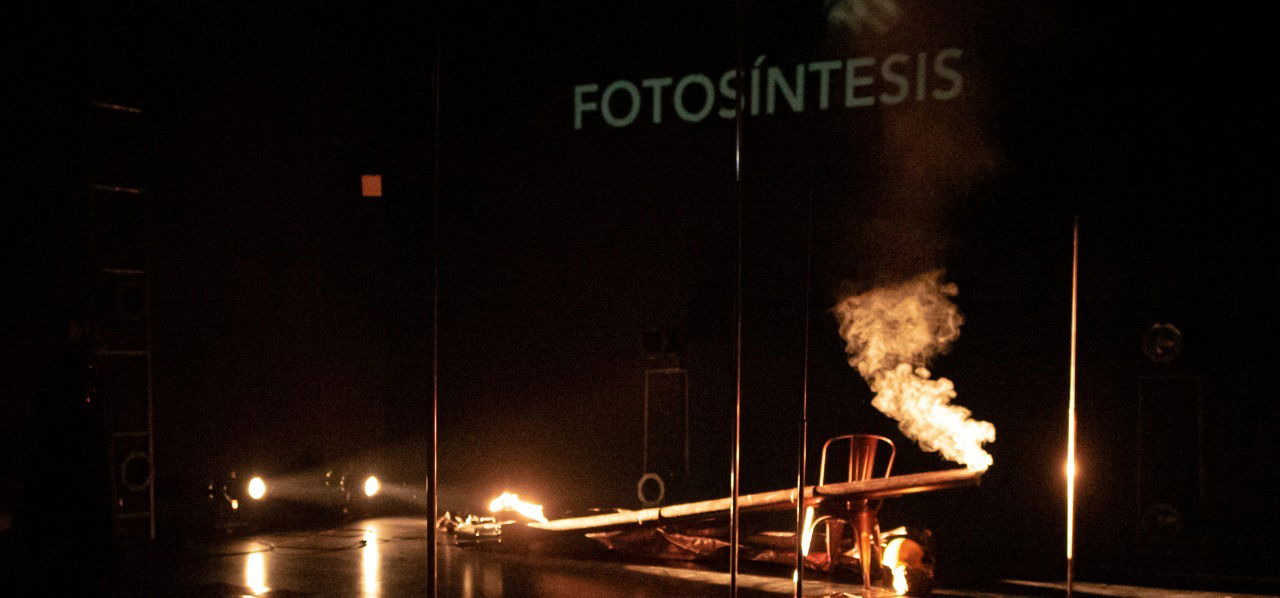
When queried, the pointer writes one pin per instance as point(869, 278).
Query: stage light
point(371, 486)
point(257, 488)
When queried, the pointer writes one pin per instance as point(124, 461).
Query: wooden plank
point(889, 487)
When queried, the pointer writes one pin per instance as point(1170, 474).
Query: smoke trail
point(861, 15)
point(891, 333)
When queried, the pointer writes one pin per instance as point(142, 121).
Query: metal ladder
point(117, 227)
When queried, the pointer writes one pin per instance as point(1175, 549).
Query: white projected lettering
point(857, 82)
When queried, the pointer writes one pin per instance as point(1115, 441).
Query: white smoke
point(891, 333)
point(860, 15)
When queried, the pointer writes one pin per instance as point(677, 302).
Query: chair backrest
point(862, 457)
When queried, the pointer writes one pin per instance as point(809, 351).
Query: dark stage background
point(292, 317)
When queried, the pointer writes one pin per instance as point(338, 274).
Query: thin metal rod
point(685, 383)
point(1071, 410)
point(433, 480)
point(151, 397)
point(644, 457)
point(115, 107)
point(802, 459)
point(735, 474)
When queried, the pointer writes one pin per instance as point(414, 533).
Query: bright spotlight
point(371, 486)
point(257, 488)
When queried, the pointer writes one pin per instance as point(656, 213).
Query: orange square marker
point(371, 185)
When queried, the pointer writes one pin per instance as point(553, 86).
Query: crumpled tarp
point(663, 542)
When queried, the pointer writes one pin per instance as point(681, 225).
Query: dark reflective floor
point(387, 557)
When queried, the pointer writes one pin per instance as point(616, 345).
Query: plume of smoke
point(891, 333)
point(860, 15)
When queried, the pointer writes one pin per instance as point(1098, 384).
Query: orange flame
point(509, 501)
point(891, 333)
point(892, 561)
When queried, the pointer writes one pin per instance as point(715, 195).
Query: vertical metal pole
point(644, 459)
point(802, 453)
point(433, 482)
point(146, 306)
point(1071, 411)
point(686, 428)
point(735, 474)
point(1200, 489)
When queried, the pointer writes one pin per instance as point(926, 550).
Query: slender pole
point(1071, 411)
point(433, 481)
point(802, 453)
point(735, 474)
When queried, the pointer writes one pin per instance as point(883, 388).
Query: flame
point(891, 561)
point(891, 333)
point(509, 501)
point(900, 580)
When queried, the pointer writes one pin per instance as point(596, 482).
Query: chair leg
point(865, 524)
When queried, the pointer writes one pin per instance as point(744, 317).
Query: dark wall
point(293, 317)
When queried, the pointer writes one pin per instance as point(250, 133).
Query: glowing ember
point(891, 333)
point(511, 502)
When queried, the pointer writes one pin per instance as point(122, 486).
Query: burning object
point(891, 334)
point(473, 529)
point(902, 559)
point(470, 530)
point(908, 559)
point(842, 524)
point(509, 502)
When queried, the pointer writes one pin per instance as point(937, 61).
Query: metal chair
point(858, 513)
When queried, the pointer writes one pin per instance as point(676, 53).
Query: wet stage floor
point(387, 557)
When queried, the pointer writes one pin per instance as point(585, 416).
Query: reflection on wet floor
point(336, 560)
point(255, 572)
point(476, 579)
point(387, 557)
point(370, 565)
